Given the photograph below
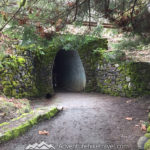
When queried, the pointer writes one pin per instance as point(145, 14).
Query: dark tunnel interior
point(68, 72)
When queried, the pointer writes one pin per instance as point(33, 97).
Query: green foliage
point(114, 56)
point(38, 45)
point(29, 37)
point(72, 42)
point(97, 32)
point(2, 54)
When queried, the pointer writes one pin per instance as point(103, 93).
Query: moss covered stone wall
point(129, 79)
point(89, 57)
point(16, 78)
point(29, 72)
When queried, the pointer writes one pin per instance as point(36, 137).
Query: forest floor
point(12, 108)
point(133, 47)
point(94, 119)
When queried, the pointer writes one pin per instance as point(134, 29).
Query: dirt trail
point(89, 121)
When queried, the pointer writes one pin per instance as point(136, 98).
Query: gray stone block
point(142, 140)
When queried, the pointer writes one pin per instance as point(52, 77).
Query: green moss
point(48, 115)
point(21, 60)
point(147, 145)
point(4, 123)
point(125, 86)
point(148, 129)
point(14, 93)
point(33, 121)
point(147, 135)
point(12, 77)
point(6, 137)
point(7, 90)
point(23, 115)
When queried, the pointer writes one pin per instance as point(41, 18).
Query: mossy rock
point(147, 145)
point(147, 135)
point(148, 129)
point(149, 116)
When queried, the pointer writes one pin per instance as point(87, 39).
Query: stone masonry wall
point(90, 59)
point(27, 74)
point(129, 79)
point(16, 78)
point(44, 66)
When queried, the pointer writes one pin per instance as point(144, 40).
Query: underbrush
point(12, 108)
point(134, 43)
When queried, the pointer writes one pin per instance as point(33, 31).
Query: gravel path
point(89, 121)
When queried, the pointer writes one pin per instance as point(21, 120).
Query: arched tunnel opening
point(68, 72)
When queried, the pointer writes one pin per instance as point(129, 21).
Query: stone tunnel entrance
point(68, 72)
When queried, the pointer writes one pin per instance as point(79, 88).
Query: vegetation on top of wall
point(132, 42)
point(42, 47)
point(114, 56)
point(35, 43)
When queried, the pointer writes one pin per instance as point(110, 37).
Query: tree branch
point(14, 15)
point(10, 19)
point(135, 1)
point(76, 11)
point(89, 5)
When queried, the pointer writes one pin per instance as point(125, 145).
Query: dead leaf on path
point(143, 127)
point(44, 132)
point(129, 101)
point(137, 125)
point(129, 118)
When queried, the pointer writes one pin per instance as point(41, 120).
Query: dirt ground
point(12, 108)
point(88, 121)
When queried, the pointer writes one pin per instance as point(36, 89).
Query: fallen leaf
point(143, 127)
point(129, 101)
point(137, 125)
point(129, 118)
point(44, 132)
